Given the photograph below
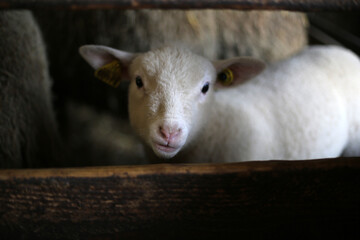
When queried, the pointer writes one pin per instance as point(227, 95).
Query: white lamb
point(306, 107)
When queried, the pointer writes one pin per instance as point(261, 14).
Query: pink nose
point(169, 133)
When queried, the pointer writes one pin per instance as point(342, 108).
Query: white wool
point(303, 108)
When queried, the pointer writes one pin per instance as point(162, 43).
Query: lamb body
point(305, 107)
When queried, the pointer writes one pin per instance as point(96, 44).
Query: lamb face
point(171, 93)
point(168, 94)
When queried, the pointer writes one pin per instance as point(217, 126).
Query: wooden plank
point(253, 199)
point(293, 5)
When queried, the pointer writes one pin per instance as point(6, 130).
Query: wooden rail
point(293, 5)
point(317, 198)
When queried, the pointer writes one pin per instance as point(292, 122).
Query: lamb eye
point(139, 82)
point(205, 88)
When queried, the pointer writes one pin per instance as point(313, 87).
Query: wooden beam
point(268, 199)
point(293, 5)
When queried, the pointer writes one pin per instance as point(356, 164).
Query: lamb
point(186, 108)
point(28, 131)
point(269, 35)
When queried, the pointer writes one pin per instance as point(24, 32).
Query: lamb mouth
point(165, 148)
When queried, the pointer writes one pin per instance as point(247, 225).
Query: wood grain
point(252, 199)
point(294, 5)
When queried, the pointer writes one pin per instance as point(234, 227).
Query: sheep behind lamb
point(28, 131)
point(303, 108)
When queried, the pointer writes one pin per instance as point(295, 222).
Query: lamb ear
point(234, 71)
point(111, 64)
point(98, 56)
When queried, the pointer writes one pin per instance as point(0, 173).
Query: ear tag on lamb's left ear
point(110, 73)
point(226, 77)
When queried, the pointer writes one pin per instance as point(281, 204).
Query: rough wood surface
point(253, 199)
point(294, 5)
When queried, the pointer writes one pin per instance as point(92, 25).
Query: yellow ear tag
point(226, 77)
point(110, 73)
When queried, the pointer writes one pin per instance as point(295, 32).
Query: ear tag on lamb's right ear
point(226, 77)
point(110, 73)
